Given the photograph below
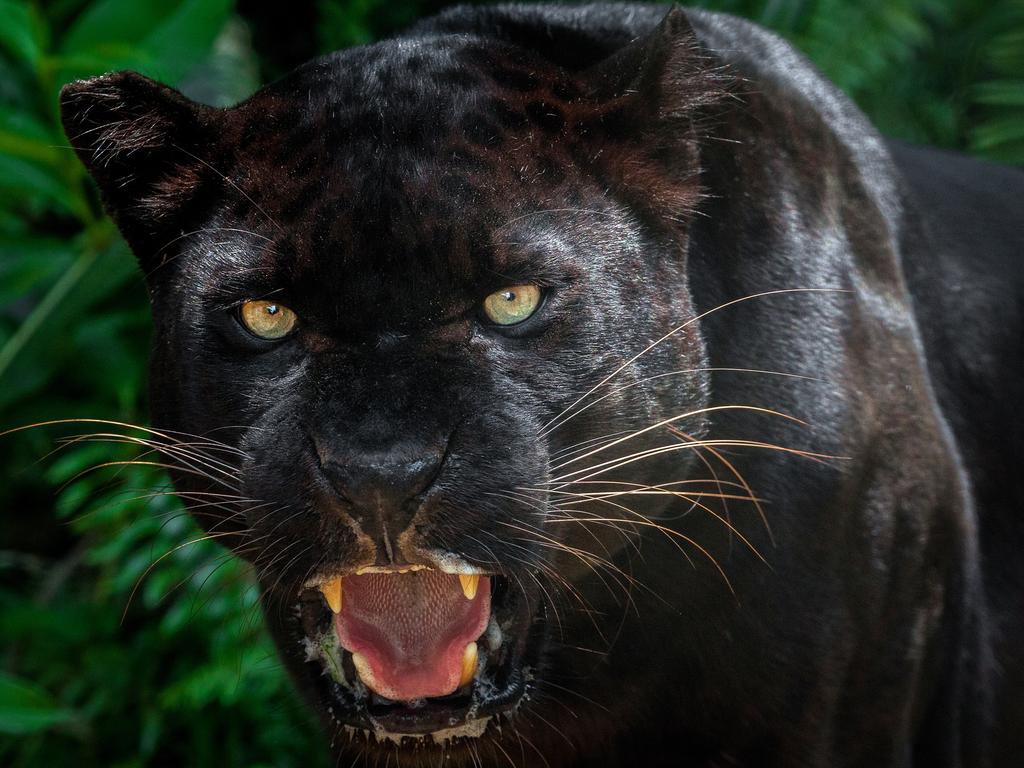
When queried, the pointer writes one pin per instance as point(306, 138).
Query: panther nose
point(380, 486)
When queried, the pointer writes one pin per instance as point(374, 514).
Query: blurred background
point(105, 658)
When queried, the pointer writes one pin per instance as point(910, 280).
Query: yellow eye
point(267, 319)
point(512, 305)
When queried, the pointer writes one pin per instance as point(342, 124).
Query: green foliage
point(999, 98)
point(944, 72)
point(124, 643)
point(156, 664)
point(27, 708)
point(107, 660)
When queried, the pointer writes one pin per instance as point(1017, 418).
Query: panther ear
point(653, 99)
point(143, 143)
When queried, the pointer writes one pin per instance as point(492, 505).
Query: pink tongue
point(412, 629)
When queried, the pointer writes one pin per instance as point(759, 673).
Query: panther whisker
point(231, 183)
point(552, 684)
point(277, 556)
point(533, 746)
point(543, 566)
point(644, 520)
point(655, 492)
point(197, 510)
point(241, 575)
point(226, 498)
point(283, 571)
point(551, 602)
point(588, 558)
point(546, 511)
point(544, 696)
point(527, 564)
point(191, 449)
point(562, 515)
point(166, 434)
point(594, 562)
point(131, 462)
point(680, 372)
point(665, 530)
point(296, 513)
point(618, 462)
point(583, 444)
point(558, 731)
point(673, 419)
point(735, 473)
point(138, 582)
point(691, 481)
point(497, 745)
point(179, 451)
point(700, 454)
point(557, 579)
point(605, 564)
point(264, 569)
point(555, 422)
point(224, 559)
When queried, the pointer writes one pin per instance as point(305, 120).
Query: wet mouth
point(416, 651)
point(413, 635)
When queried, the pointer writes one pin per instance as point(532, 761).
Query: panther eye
point(267, 319)
point(512, 305)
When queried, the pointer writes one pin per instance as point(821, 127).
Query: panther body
point(740, 490)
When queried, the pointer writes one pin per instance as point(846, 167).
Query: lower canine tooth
point(469, 584)
point(332, 594)
point(362, 667)
point(469, 658)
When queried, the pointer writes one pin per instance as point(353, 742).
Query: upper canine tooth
point(469, 584)
point(469, 657)
point(332, 593)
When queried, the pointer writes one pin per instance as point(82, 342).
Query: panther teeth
point(469, 662)
point(470, 583)
point(331, 590)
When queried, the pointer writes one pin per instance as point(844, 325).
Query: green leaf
point(1000, 139)
point(1007, 51)
point(21, 33)
point(27, 184)
point(29, 262)
point(164, 39)
point(185, 37)
point(27, 708)
point(93, 276)
point(115, 21)
point(1004, 93)
point(24, 137)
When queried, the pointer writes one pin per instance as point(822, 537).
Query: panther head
point(424, 307)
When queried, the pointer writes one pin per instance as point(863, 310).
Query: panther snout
point(380, 487)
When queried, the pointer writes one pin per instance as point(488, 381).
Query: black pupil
point(272, 309)
point(509, 296)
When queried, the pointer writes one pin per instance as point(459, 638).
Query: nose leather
point(381, 486)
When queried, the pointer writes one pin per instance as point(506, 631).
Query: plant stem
point(51, 301)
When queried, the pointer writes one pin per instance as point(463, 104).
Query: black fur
point(646, 170)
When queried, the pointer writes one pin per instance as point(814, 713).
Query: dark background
point(105, 660)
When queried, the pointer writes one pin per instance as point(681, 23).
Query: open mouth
point(413, 651)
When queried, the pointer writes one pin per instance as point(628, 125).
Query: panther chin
point(425, 652)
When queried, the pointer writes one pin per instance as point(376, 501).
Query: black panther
point(592, 385)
